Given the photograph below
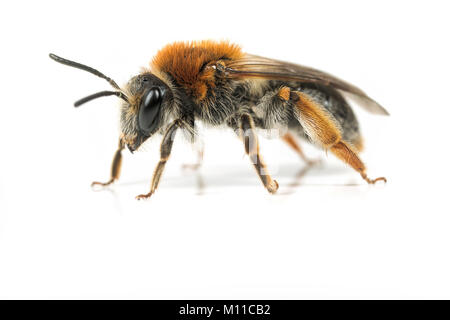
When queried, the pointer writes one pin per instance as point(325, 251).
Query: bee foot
point(100, 185)
point(273, 186)
point(144, 196)
point(373, 181)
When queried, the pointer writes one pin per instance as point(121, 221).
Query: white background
point(325, 235)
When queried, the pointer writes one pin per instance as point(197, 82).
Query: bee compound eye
point(149, 110)
point(152, 98)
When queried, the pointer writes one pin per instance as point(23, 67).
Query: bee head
point(142, 116)
point(144, 96)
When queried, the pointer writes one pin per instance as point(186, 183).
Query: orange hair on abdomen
point(183, 61)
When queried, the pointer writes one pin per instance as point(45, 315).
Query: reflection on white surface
point(217, 233)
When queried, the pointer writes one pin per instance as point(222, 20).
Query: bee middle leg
point(115, 167)
point(166, 149)
point(251, 145)
point(292, 142)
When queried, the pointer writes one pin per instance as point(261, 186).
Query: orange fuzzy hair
point(184, 62)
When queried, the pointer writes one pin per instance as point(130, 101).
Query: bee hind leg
point(248, 135)
point(344, 152)
point(321, 128)
point(115, 167)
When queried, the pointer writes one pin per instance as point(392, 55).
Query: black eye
point(149, 110)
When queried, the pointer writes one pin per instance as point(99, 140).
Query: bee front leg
point(115, 167)
point(166, 148)
point(250, 139)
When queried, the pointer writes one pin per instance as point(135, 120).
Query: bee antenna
point(100, 94)
point(85, 68)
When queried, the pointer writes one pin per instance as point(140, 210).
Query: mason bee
point(218, 84)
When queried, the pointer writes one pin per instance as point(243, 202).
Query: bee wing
point(252, 66)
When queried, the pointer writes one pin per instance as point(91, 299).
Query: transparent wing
point(252, 66)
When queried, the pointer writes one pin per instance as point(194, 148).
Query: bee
point(218, 84)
